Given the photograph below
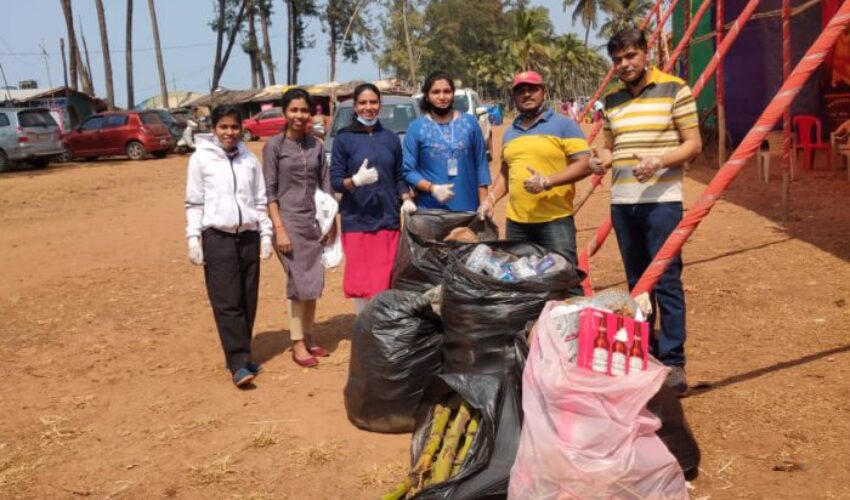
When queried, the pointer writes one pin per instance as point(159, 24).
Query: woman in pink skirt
point(366, 166)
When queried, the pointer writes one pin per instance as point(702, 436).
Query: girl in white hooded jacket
point(228, 230)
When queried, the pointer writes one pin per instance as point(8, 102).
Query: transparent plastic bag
point(587, 435)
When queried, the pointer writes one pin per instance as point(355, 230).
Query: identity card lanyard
point(452, 161)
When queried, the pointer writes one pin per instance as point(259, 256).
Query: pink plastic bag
point(586, 435)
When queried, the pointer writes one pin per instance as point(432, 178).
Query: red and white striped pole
point(747, 149)
point(720, 87)
point(605, 228)
point(786, 117)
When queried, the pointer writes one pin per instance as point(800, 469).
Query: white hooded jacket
point(223, 193)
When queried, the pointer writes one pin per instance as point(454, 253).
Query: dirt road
point(114, 385)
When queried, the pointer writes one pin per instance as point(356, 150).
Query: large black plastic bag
point(482, 315)
point(395, 353)
point(675, 431)
point(487, 469)
point(422, 255)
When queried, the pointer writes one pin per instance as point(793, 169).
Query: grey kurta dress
point(293, 171)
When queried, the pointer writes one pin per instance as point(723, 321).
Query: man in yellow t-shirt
point(543, 154)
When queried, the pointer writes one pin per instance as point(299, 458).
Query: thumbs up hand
point(536, 183)
point(646, 167)
point(365, 175)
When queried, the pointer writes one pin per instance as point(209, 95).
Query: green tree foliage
point(586, 11)
point(623, 14)
point(394, 57)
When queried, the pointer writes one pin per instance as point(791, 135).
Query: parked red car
point(131, 133)
point(264, 124)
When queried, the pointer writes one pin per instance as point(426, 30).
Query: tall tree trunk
point(163, 88)
point(586, 34)
point(72, 41)
point(231, 38)
point(107, 58)
point(292, 44)
point(257, 77)
point(128, 54)
point(64, 61)
point(267, 48)
point(413, 79)
point(219, 42)
point(85, 72)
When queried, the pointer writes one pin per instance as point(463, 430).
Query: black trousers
point(232, 275)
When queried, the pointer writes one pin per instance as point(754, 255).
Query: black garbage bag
point(486, 471)
point(423, 256)
point(675, 431)
point(395, 353)
point(482, 315)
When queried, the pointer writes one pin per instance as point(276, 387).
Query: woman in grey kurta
point(294, 168)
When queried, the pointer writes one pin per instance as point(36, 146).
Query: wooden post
point(786, 116)
point(720, 92)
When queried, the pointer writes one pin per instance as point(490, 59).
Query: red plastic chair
point(803, 125)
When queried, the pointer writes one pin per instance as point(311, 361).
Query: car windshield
point(36, 118)
point(461, 103)
point(395, 117)
point(149, 118)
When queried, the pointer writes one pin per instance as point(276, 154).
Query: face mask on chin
point(441, 111)
point(367, 123)
point(532, 112)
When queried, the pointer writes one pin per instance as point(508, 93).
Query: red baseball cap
point(530, 77)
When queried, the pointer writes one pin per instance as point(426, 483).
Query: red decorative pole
point(720, 88)
point(747, 149)
point(786, 117)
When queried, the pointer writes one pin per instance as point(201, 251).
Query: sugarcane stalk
point(400, 491)
point(439, 422)
point(471, 430)
point(443, 466)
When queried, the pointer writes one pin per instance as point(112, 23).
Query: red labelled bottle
point(600, 348)
point(619, 351)
point(636, 353)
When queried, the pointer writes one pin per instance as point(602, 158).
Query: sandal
point(318, 351)
point(308, 362)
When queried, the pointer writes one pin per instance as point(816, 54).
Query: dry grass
point(264, 438)
point(319, 454)
point(217, 471)
point(55, 432)
point(179, 430)
point(15, 467)
point(381, 475)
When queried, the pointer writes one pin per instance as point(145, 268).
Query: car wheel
point(4, 161)
point(135, 150)
point(40, 163)
point(160, 154)
point(66, 156)
point(247, 136)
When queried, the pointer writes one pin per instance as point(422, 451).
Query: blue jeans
point(641, 231)
point(558, 235)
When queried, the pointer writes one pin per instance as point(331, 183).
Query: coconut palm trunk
point(107, 58)
point(155, 27)
point(128, 54)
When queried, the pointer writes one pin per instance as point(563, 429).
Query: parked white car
point(467, 101)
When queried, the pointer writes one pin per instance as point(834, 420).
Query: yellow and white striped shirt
point(648, 124)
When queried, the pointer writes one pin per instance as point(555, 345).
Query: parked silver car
point(28, 135)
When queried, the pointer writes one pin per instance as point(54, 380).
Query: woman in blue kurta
point(445, 156)
point(366, 168)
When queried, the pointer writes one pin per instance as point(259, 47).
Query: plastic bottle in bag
point(477, 260)
point(619, 351)
point(522, 269)
point(544, 264)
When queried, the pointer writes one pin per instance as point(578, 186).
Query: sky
point(187, 40)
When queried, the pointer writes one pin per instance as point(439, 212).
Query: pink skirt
point(369, 259)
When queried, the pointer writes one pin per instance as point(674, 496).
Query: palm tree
point(623, 14)
point(162, 87)
point(587, 11)
point(107, 59)
point(529, 39)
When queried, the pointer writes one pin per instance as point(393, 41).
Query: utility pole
point(46, 64)
point(64, 62)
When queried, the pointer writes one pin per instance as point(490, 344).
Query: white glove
point(196, 253)
point(536, 183)
point(266, 247)
point(485, 209)
point(365, 175)
point(408, 207)
point(442, 192)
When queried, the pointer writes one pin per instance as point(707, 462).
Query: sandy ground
point(114, 385)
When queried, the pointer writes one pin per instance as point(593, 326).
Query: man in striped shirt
point(651, 130)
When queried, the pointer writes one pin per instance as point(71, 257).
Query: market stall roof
point(176, 99)
point(226, 96)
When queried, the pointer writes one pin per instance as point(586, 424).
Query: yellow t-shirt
point(548, 146)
